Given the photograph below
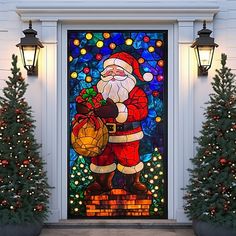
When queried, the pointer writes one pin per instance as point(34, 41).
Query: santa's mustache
point(116, 77)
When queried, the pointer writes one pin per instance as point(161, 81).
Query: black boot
point(102, 183)
point(133, 184)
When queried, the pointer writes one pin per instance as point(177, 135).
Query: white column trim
point(184, 128)
point(49, 114)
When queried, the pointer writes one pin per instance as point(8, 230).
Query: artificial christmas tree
point(23, 184)
point(211, 194)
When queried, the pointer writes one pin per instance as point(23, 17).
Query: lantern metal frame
point(204, 41)
point(30, 41)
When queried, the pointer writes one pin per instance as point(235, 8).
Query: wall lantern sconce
point(29, 48)
point(204, 47)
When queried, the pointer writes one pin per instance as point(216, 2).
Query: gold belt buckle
point(113, 128)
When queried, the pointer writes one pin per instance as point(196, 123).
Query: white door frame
point(179, 18)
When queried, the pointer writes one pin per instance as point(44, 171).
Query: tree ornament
point(223, 161)
point(4, 202)
point(19, 77)
point(216, 118)
point(39, 207)
point(4, 162)
point(26, 162)
point(18, 111)
point(212, 211)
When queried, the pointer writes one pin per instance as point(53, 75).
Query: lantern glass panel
point(29, 56)
point(205, 56)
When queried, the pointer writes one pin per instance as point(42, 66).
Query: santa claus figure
point(126, 107)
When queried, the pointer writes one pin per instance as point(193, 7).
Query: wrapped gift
point(91, 98)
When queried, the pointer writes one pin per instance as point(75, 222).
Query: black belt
point(113, 127)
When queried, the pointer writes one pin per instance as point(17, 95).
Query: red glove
point(109, 110)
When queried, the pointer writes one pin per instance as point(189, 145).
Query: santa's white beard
point(118, 90)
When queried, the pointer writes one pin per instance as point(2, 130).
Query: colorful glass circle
point(100, 44)
point(106, 35)
point(70, 58)
point(146, 39)
point(160, 63)
point(155, 93)
point(160, 77)
point(151, 49)
point(158, 119)
point(159, 43)
point(140, 60)
point(83, 51)
point(88, 36)
point(112, 45)
point(76, 42)
point(88, 79)
point(98, 56)
point(86, 70)
point(129, 41)
point(74, 75)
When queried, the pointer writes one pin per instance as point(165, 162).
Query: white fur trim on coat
point(123, 112)
point(130, 170)
point(102, 169)
point(118, 62)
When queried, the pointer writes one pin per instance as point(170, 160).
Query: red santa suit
point(125, 132)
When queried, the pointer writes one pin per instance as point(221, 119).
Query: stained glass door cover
point(117, 124)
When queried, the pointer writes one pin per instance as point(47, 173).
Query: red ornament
point(4, 202)
point(98, 57)
point(2, 123)
point(86, 70)
point(18, 111)
point(26, 162)
point(4, 162)
point(155, 93)
point(213, 211)
point(29, 124)
point(39, 207)
point(207, 152)
point(222, 189)
point(223, 161)
point(226, 207)
point(22, 130)
point(146, 39)
point(18, 204)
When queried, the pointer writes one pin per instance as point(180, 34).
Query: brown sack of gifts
point(89, 135)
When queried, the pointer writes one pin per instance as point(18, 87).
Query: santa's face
point(116, 83)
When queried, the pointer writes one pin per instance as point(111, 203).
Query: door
point(117, 124)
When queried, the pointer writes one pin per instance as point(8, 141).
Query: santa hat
point(128, 63)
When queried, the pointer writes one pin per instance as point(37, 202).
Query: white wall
point(10, 32)
point(11, 26)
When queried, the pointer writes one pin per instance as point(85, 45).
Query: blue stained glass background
point(139, 49)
